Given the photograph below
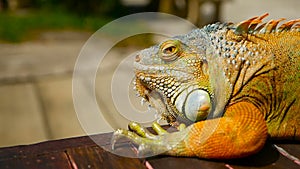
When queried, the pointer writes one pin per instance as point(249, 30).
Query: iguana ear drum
point(195, 105)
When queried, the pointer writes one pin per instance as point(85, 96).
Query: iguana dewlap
point(234, 84)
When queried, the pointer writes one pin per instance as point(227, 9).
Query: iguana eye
point(170, 50)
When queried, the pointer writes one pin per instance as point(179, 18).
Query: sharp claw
point(145, 151)
point(143, 101)
point(116, 136)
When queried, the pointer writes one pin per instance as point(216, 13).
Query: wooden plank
point(103, 140)
point(51, 146)
point(162, 162)
point(83, 152)
point(21, 119)
point(38, 161)
point(293, 148)
point(267, 158)
point(96, 157)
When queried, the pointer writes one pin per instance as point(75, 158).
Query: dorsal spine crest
point(251, 26)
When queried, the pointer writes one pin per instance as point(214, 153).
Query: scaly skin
point(232, 84)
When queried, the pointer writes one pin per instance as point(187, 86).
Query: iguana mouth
point(174, 101)
point(156, 99)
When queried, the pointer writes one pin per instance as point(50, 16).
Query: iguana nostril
point(137, 58)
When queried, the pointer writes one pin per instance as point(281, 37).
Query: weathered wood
point(96, 157)
point(267, 158)
point(55, 145)
point(85, 152)
point(43, 161)
point(81, 152)
point(185, 163)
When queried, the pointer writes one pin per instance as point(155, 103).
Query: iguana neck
point(247, 64)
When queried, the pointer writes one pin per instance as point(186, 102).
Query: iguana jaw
point(174, 101)
point(155, 99)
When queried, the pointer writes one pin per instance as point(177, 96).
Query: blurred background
point(41, 39)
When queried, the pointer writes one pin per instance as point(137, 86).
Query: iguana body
point(235, 85)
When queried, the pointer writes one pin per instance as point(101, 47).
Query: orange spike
point(243, 26)
point(274, 24)
point(271, 26)
point(288, 25)
point(296, 27)
point(263, 16)
point(260, 27)
point(256, 21)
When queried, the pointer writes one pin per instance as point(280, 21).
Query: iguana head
point(173, 76)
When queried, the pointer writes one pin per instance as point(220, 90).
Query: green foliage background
point(35, 16)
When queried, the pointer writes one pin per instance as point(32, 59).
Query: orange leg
point(241, 132)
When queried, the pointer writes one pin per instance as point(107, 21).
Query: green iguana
point(233, 85)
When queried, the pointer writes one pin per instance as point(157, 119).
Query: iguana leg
point(240, 132)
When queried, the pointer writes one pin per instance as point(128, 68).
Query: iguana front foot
point(148, 143)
